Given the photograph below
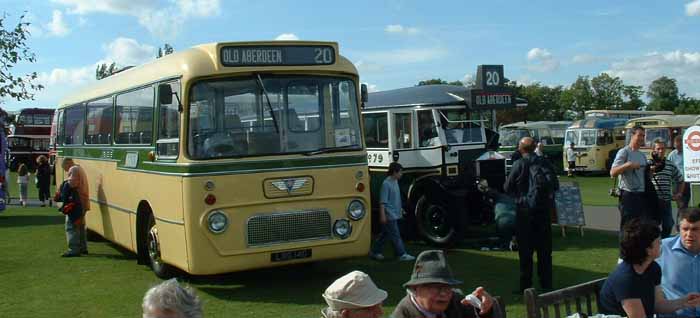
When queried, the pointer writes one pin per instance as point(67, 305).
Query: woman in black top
point(633, 289)
point(43, 177)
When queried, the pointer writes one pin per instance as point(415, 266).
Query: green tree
point(632, 97)
point(543, 104)
point(103, 70)
point(14, 50)
point(165, 50)
point(607, 91)
point(432, 81)
point(663, 94)
point(688, 105)
point(578, 98)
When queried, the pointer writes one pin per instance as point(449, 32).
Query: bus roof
point(39, 111)
point(424, 95)
point(198, 61)
point(663, 121)
point(537, 124)
point(602, 123)
point(625, 111)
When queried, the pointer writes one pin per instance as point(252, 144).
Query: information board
point(691, 154)
point(275, 55)
point(569, 206)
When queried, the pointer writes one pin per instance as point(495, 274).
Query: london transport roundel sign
point(691, 154)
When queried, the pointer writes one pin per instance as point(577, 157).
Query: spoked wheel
point(160, 268)
point(435, 224)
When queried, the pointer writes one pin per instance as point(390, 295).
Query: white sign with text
point(691, 154)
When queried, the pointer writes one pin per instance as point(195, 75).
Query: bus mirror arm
point(363, 94)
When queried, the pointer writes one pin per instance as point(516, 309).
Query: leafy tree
point(607, 91)
point(432, 81)
point(632, 97)
point(688, 105)
point(103, 70)
point(543, 104)
point(578, 98)
point(165, 50)
point(663, 94)
point(13, 50)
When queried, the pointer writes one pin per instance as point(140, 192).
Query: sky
point(393, 43)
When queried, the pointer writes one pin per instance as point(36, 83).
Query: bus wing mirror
point(363, 94)
point(165, 94)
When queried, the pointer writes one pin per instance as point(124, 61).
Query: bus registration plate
point(290, 255)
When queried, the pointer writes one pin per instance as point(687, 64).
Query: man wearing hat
point(353, 296)
point(430, 292)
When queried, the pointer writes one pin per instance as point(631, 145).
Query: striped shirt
point(662, 180)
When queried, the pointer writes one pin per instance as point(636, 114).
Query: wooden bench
point(582, 298)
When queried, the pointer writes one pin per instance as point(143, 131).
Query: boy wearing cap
point(430, 292)
point(353, 296)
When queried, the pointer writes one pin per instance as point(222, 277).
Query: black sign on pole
point(489, 77)
point(490, 91)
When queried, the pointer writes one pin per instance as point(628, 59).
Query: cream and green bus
point(596, 142)
point(665, 127)
point(624, 114)
point(225, 157)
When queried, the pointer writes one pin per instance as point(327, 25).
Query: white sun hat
point(354, 290)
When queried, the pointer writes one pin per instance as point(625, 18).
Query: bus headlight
point(356, 210)
point(218, 222)
point(342, 228)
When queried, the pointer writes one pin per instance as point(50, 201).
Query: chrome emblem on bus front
point(289, 185)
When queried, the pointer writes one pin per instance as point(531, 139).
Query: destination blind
point(277, 55)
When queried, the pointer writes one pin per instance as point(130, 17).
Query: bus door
point(402, 139)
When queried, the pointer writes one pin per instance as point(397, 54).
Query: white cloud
point(371, 88)
point(585, 59)
point(537, 53)
point(287, 37)
point(400, 29)
point(67, 76)
point(57, 26)
point(642, 70)
point(540, 60)
point(468, 78)
point(163, 22)
point(693, 8)
point(199, 8)
point(363, 66)
point(126, 51)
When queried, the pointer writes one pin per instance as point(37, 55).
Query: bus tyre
point(434, 223)
point(159, 267)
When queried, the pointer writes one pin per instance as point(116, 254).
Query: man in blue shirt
point(389, 214)
point(680, 261)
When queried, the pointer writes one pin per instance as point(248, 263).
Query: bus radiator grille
point(288, 227)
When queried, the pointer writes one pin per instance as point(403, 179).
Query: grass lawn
point(31, 188)
point(594, 189)
point(36, 282)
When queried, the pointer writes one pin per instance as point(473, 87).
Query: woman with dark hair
point(633, 289)
point(43, 178)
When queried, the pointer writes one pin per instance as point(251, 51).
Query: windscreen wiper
point(330, 149)
point(269, 105)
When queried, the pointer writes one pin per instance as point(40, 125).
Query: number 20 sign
point(489, 76)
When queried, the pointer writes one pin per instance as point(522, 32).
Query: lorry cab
point(447, 149)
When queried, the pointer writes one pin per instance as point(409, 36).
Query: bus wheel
point(434, 223)
point(161, 269)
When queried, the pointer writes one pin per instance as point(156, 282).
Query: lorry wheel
point(434, 222)
point(160, 268)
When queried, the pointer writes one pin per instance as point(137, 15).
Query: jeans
point(666, 218)
point(76, 235)
point(390, 231)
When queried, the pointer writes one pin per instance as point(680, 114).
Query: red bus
point(29, 136)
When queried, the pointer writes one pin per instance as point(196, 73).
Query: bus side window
point(169, 123)
point(376, 130)
point(403, 130)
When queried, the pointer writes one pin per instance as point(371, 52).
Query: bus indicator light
point(360, 187)
point(210, 199)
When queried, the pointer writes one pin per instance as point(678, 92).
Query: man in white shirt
point(571, 158)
